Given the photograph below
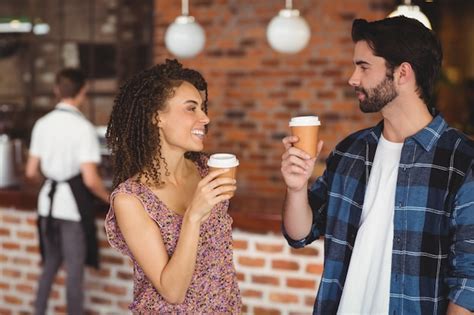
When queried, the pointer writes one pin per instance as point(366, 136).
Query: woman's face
point(182, 122)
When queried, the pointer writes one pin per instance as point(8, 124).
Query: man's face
point(372, 81)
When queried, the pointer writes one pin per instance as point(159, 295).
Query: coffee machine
point(11, 150)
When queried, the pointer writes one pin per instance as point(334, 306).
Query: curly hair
point(132, 136)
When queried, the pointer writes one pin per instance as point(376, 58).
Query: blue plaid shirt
point(433, 242)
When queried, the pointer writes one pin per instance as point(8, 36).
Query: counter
point(260, 215)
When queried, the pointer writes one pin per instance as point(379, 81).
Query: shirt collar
point(68, 107)
point(426, 137)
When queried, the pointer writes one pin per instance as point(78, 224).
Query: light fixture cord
point(184, 7)
point(289, 4)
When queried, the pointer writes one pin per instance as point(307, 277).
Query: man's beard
point(379, 96)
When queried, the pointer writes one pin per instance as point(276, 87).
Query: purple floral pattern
point(214, 288)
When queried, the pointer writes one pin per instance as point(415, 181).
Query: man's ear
point(56, 92)
point(405, 73)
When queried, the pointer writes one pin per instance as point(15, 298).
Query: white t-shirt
point(63, 140)
point(367, 286)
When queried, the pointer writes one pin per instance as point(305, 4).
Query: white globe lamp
point(185, 38)
point(411, 11)
point(288, 32)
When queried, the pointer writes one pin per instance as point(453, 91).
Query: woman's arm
point(171, 276)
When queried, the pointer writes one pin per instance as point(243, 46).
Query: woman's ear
point(156, 120)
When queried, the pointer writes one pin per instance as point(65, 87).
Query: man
point(396, 201)
point(65, 150)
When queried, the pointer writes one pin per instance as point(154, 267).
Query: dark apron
point(85, 203)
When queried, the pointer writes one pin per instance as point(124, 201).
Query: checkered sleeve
point(461, 277)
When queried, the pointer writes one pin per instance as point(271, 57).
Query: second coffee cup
point(224, 160)
point(306, 128)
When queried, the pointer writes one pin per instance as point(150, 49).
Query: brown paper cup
point(224, 160)
point(306, 128)
point(230, 174)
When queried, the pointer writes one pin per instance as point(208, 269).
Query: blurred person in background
point(396, 202)
point(168, 212)
point(64, 151)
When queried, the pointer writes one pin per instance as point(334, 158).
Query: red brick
point(315, 269)
point(309, 300)
point(306, 251)
point(4, 232)
point(283, 298)
point(101, 301)
point(251, 262)
point(248, 293)
point(22, 261)
point(5, 311)
point(12, 300)
point(239, 244)
point(11, 273)
point(240, 276)
point(11, 219)
point(115, 289)
point(33, 249)
point(269, 248)
point(301, 283)
point(28, 289)
point(111, 260)
point(124, 275)
point(265, 311)
point(60, 309)
point(32, 277)
point(10, 246)
point(266, 280)
point(26, 235)
point(4, 285)
point(285, 264)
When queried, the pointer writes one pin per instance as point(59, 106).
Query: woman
point(168, 212)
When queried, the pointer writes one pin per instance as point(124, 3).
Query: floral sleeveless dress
point(213, 288)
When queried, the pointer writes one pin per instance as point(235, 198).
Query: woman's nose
point(204, 118)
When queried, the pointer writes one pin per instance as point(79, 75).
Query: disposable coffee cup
point(306, 128)
point(224, 160)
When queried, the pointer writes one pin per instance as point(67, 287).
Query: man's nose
point(354, 80)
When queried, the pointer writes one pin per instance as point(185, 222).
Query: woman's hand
point(296, 165)
point(210, 191)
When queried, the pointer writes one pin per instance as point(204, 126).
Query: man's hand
point(296, 165)
point(454, 309)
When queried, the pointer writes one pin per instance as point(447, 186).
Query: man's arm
point(461, 258)
point(93, 181)
point(32, 169)
point(296, 168)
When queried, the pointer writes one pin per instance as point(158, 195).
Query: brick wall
point(273, 278)
point(254, 90)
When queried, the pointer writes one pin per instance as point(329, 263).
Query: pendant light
point(411, 11)
point(288, 32)
point(185, 38)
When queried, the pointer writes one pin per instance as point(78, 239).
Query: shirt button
point(400, 204)
point(398, 239)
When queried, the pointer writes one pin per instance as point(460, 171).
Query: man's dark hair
point(132, 133)
point(401, 39)
point(69, 82)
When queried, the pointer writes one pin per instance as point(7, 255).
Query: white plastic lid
point(305, 121)
point(223, 160)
